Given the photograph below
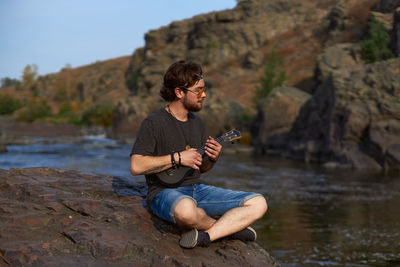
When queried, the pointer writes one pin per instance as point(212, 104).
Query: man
point(169, 137)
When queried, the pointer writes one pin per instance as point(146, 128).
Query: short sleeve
point(145, 141)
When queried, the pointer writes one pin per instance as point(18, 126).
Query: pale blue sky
point(54, 33)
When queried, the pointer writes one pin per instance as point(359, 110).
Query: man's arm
point(149, 164)
point(141, 164)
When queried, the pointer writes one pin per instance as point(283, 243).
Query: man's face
point(194, 97)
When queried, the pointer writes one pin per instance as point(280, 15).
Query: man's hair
point(180, 74)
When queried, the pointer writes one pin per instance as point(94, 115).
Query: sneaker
point(247, 234)
point(195, 238)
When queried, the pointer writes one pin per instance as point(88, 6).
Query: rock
point(396, 32)
point(388, 6)
point(3, 148)
point(51, 217)
point(276, 115)
point(337, 57)
point(352, 119)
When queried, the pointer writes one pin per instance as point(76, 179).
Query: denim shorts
point(215, 201)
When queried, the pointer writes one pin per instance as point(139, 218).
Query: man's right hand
point(191, 158)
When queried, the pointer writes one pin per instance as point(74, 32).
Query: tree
point(29, 75)
point(273, 77)
point(6, 82)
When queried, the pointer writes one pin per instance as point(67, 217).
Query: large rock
point(276, 115)
point(50, 217)
point(353, 119)
point(336, 57)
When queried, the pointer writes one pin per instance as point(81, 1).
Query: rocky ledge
point(50, 217)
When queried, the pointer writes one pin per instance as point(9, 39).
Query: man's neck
point(177, 110)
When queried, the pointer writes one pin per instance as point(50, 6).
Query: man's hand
point(191, 158)
point(213, 149)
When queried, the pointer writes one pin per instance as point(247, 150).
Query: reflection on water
point(315, 218)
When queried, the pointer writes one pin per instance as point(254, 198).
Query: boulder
point(352, 119)
point(3, 148)
point(276, 115)
point(337, 57)
point(51, 217)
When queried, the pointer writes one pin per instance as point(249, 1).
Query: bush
point(6, 82)
point(34, 110)
point(9, 104)
point(99, 114)
point(375, 48)
point(273, 77)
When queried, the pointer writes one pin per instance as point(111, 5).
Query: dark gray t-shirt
point(161, 134)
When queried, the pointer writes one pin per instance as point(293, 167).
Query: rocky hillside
point(100, 82)
point(233, 46)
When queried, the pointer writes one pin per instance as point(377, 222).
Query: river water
point(316, 217)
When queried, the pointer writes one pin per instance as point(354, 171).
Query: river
point(316, 217)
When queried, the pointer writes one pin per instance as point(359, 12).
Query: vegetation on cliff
point(376, 46)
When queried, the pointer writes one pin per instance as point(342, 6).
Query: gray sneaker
point(194, 238)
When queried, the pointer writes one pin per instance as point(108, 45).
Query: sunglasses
point(198, 93)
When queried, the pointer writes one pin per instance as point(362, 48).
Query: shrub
point(375, 48)
point(34, 110)
point(273, 77)
point(99, 114)
point(9, 104)
point(6, 82)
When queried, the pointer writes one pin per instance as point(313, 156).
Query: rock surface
point(353, 119)
point(276, 115)
point(50, 217)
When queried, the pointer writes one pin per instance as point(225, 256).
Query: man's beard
point(192, 107)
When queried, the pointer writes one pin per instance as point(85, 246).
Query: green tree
point(9, 104)
point(375, 47)
point(99, 114)
point(29, 75)
point(274, 76)
point(6, 82)
point(35, 110)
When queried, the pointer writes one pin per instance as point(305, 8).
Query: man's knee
point(186, 212)
point(259, 206)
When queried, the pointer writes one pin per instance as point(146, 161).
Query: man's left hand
point(213, 149)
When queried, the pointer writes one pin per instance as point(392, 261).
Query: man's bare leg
point(188, 215)
point(238, 218)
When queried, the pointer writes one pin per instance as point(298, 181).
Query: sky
point(54, 34)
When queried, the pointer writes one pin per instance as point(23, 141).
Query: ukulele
point(175, 175)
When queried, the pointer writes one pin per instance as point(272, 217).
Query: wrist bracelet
point(179, 162)
point(173, 159)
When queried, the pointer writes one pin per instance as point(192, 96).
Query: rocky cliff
point(233, 46)
point(50, 217)
point(353, 117)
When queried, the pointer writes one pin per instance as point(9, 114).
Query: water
point(316, 217)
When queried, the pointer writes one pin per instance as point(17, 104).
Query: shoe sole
point(189, 239)
point(254, 231)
